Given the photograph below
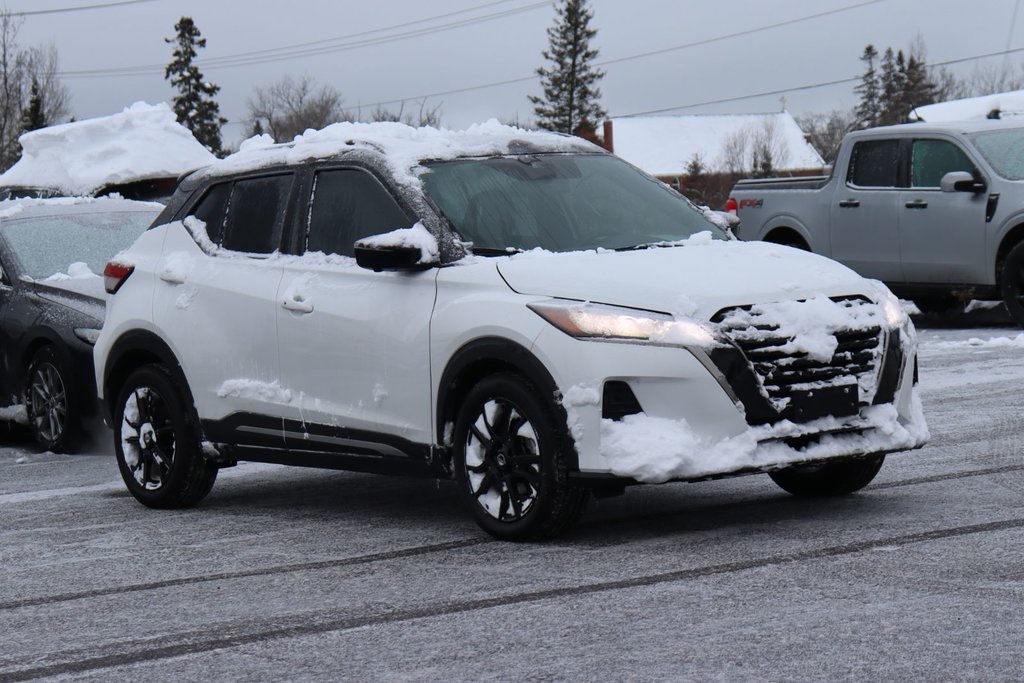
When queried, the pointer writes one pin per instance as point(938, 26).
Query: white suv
point(519, 311)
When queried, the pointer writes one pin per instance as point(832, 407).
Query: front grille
point(803, 385)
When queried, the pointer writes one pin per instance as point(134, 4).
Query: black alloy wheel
point(158, 443)
point(50, 402)
point(510, 462)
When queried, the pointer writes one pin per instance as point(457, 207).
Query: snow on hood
point(695, 281)
point(142, 142)
point(404, 146)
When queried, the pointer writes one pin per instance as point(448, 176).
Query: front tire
point(52, 403)
point(510, 461)
point(828, 479)
point(1012, 283)
point(158, 442)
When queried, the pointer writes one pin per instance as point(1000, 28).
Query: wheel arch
point(486, 356)
point(1011, 238)
point(786, 235)
point(131, 351)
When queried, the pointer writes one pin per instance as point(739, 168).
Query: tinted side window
point(212, 209)
point(933, 159)
point(348, 205)
point(256, 214)
point(875, 163)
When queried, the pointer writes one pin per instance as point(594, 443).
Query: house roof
point(664, 145)
point(1008, 104)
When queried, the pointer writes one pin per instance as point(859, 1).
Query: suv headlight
point(893, 309)
point(584, 320)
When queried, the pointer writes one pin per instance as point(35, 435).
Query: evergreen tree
point(194, 104)
point(869, 108)
point(571, 96)
point(33, 117)
point(918, 88)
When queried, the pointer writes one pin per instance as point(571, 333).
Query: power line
point(81, 8)
point(812, 86)
point(306, 49)
point(641, 55)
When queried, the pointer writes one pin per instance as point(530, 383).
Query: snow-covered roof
point(1008, 104)
point(142, 142)
point(664, 145)
point(403, 146)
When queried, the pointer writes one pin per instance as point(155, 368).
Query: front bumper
point(695, 426)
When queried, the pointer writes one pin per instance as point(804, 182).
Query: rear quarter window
point(875, 163)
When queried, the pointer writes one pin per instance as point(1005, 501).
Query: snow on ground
point(142, 142)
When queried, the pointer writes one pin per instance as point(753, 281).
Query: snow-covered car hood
point(696, 280)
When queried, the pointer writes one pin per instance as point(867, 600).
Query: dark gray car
point(52, 254)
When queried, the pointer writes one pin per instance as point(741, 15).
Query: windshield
point(48, 245)
point(560, 203)
point(1004, 150)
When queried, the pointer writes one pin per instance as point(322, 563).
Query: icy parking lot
point(286, 574)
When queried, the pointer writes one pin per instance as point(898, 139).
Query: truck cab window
point(875, 163)
point(932, 159)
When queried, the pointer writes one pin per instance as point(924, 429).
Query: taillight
point(731, 206)
point(114, 275)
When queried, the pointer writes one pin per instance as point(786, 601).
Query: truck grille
point(802, 386)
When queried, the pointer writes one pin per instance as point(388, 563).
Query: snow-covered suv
point(519, 311)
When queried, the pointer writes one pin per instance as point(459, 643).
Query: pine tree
point(33, 117)
point(868, 109)
point(893, 85)
point(570, 100)
point(194, 105)
point(918, 88)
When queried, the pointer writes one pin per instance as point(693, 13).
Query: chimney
point(609, 143)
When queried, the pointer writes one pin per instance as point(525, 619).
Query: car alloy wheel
point(147, 437)
point(503, 461)
point(47, 402)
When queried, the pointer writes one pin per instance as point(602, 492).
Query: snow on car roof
point(142, 142)
point(1007, 104)
point(403, 146)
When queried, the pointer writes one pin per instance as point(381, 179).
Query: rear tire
point(510, 461)
point(1012, 283)
point(822, 480)
point(52, 402)
point(158, 442)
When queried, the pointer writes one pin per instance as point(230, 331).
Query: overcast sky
point(488, 49)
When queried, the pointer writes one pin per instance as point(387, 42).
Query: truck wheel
point(509, 458)
point(158, 444)
point(829, 478)
point(1012, 283)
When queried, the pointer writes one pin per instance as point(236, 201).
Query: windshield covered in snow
point(48, 245)
point(560, 202)
point(1004, 149)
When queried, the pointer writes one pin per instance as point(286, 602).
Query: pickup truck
point(936, 211)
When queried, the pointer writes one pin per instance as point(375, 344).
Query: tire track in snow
point(248, 573)
point(198, 642)
point(416, 551)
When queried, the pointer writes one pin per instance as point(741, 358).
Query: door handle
point(172, 278)
point(296, 305)
point(849, 203)
point(917, 204)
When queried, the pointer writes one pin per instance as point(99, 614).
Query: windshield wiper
point(494, 251)
point(648, 245)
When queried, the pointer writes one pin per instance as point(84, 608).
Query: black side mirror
point(389, 258)
point(962, 181)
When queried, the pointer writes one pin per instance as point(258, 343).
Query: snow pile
point(664, 145)
point(1007, 104)
point(976, 305)
point(76, 271)
point(655, 450)
point(978, 343)
point(16, 413)
point(142, 142)
point(416, 237)
point(404, 146)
